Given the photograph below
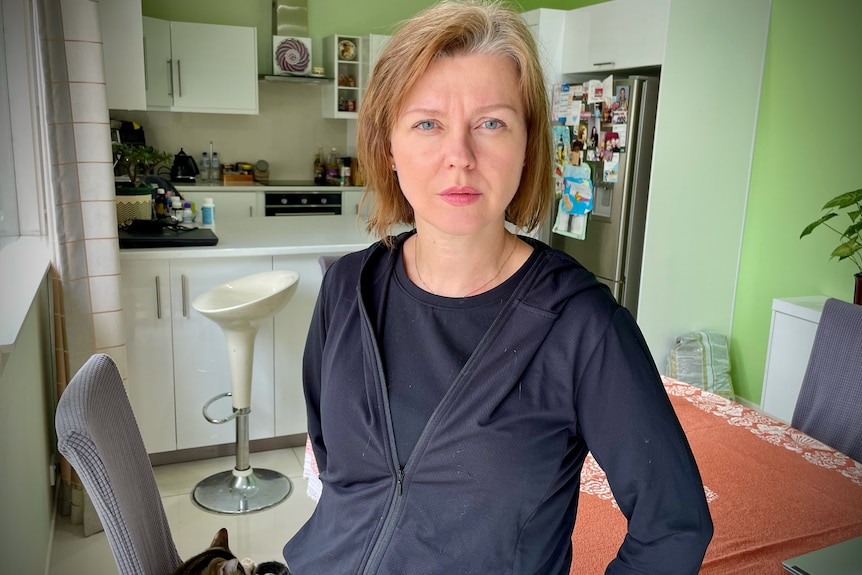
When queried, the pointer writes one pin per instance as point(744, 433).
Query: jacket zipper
point(398, 489)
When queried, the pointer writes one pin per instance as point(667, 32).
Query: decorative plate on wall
point(291, 56)
point(346, 50)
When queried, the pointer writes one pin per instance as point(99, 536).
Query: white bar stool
point(238, 307)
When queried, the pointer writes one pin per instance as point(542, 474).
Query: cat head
point(217, 559)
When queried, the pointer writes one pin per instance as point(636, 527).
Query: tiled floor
point(260, 535)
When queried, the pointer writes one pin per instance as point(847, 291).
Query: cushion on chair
point(829, 407)
point(98, 435)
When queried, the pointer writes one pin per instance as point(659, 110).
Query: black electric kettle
point(184, 169)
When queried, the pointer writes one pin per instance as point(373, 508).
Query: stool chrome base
point(236, 492)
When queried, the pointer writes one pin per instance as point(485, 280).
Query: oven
point(306, 203)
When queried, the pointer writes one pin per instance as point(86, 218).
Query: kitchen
point(684, 212)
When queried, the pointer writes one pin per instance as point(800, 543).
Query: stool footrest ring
point(231, 417)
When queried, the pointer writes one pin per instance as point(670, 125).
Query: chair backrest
point(98, 435)
point(829, 407)
point(326, 261)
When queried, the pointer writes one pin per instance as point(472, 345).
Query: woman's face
point(459, 143)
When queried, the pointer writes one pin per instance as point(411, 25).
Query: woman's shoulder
point(560, 282)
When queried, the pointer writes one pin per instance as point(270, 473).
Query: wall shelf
point(297, 79)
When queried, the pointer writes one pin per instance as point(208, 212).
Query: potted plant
point(139, 161)
point(850, 246)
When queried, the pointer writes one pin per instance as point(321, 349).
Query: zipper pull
point(399, 478)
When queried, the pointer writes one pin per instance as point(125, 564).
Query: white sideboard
point(791, 336)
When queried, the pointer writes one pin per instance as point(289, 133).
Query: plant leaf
point(844, 200)
point(853, 231)
point(846, 249)
point(810, 227)
point(854, 214)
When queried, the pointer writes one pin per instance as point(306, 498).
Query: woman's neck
point(462, 267)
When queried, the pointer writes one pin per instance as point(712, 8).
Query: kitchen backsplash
point(286, 133)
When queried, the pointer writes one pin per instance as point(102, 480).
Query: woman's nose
point(460, 149)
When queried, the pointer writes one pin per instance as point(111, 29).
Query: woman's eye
point(492, 124)
point(425, 125)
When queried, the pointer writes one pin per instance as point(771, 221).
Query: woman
point(456, 375)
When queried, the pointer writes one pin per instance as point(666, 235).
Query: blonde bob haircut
point(453, 28)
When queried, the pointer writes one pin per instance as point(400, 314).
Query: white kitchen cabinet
point(214, 68)
point(547, 27)
point(157, 63)
point(193, 67)
point(616, 35)
point(229, 205)
point(791, 337)
point(178, 358)
point(123, 53)
point(291, 329)
point(145, 293)
point(200, 355)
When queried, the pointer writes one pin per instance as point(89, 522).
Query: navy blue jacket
point(491, 487)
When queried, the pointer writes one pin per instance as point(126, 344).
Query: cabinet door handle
point(171, 77)
point(158, 298)
point(185, 282)
point(250, 214)
point(146, 76)
point(180, 76)
point(603, 64)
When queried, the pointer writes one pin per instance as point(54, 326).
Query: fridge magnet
point(574, 114)
point(291, 56)
point(620, 129)
point(562, 145)
point(575, 202)
point(593, 142)
point(582, 134)
point(619, 117)
point(611, 172)
point(560, 101)
point(595, 92)
point(571, 225)
point(621, 98)
point(608, 90)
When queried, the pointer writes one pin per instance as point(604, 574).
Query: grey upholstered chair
point(829, 407)
point(326, 261)
point(98, 435)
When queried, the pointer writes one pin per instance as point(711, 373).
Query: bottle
point(344, 172)
point(205, 167)
point(215, 168)
point(176, 208)
point(188, 216)
point(332, 170)
point(319, 168)
point(208, 213)
point(161, 203)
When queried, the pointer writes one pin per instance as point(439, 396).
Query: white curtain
point(88, 314)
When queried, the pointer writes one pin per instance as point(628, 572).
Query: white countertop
point(299, 235)
point(256, 187)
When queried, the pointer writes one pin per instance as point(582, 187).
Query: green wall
point(807, 150)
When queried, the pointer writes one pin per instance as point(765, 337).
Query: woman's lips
point(460, 196)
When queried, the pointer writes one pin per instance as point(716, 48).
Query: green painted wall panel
point(807, 150)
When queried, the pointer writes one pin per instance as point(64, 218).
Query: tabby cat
point(217, 559)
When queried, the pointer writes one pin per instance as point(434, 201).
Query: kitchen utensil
point(184, 169)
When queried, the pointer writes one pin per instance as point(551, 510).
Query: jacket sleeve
point(312, 361)
point(630, 427)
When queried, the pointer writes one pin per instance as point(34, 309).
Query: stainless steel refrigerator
point(613, 245)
